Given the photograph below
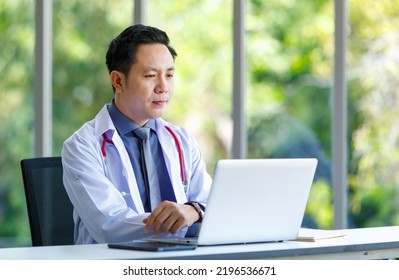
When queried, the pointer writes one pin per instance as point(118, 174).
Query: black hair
point(122, 50)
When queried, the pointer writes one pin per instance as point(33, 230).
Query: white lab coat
point(103, 190)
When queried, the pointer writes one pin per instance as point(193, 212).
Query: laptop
point(254, 200)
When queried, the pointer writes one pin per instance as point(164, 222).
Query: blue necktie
point(149, 167)
point(147, 164)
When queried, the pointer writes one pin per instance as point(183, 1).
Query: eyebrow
point(149, 69)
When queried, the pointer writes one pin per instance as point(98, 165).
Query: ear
point(118, 80)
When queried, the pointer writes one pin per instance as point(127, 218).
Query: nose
point(162, 86)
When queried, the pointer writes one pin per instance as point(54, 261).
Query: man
point(107, 170)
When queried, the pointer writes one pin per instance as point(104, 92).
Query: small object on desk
point(150, 246)
point(313, 235)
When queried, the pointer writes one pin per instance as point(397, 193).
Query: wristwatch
point(199, 208)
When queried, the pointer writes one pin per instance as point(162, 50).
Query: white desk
point(366, 243)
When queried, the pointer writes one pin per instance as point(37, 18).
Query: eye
point(150, 76)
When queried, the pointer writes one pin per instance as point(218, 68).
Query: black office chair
point(49, 207)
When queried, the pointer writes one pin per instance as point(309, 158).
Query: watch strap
point(198, 207)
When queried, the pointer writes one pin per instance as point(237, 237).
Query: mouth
point(160, 102)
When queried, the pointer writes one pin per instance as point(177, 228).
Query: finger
point(149, 221)
point(175, 221)
point(148, 224)
point(161, 215)
point(163, 220)
point(168, 222)
point(158, 217)
point(177, 226)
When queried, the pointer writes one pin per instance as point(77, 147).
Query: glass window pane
point(16, 116)
point(82, 31)
point(201, 33)
point(373, 71)
point(290, 51)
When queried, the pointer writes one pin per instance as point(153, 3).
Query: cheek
point(146, 87)
point(172, 85)
point(139, 90)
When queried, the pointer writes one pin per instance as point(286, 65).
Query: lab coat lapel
point(103, 124)
point(128, 173)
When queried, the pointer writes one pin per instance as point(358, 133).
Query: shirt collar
point(122, 123)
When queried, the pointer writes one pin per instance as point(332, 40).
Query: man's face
point(145, 92)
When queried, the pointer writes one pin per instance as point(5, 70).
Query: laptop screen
point(257, 200)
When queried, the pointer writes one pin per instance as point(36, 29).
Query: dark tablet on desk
point(150, 246)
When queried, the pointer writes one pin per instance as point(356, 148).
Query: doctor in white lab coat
point(98, 173)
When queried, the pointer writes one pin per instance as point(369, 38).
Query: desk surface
point(365, 243)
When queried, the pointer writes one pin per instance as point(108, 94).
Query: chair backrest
point(49, 208)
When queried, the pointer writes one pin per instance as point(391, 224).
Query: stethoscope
point(178, 147)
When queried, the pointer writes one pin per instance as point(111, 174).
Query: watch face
point(198, 209)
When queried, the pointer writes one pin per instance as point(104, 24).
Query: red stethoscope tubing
point(178, 147)
point(180, 152)
point(105, 141)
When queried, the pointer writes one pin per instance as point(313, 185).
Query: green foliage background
point(290, 52)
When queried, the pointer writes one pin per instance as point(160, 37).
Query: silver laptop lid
point(257, 200)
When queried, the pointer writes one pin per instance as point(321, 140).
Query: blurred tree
point(16, 87)
point(201, 32)
point(290, 50)
point(82, 33)
point(374, 98)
